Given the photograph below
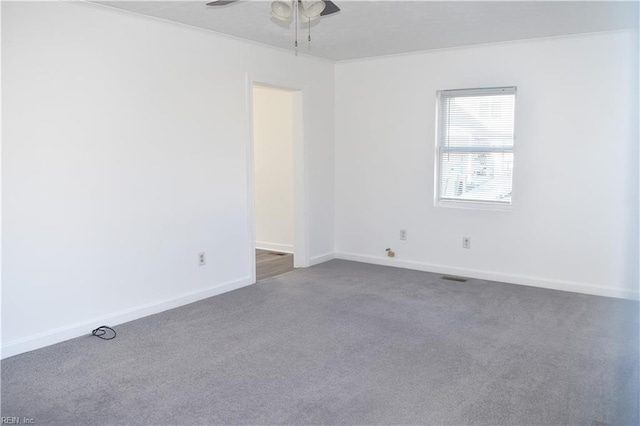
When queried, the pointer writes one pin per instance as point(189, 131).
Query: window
point(475, 146)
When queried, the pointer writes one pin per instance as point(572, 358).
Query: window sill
point(474, 205)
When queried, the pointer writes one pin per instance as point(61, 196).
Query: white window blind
point(475, 145)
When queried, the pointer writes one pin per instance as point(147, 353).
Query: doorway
point(275, 137)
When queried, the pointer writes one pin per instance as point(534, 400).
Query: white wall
point(273, 159)
point(574, 224)
point(124, 155)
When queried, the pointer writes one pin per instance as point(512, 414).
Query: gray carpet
point(347, 343)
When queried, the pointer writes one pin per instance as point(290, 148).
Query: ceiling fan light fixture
point(282, 10)
point(311, 9)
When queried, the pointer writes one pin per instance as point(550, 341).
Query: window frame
point(441, 150)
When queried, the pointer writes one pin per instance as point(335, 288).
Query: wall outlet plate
point(466, 242)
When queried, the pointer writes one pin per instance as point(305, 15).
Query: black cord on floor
point(102, 331)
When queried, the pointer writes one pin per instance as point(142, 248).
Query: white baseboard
point(78, 329)
point(321, 259)
point(83, 328)
point(492, 276)
point(283, 248)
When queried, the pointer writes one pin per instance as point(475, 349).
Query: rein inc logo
point(17, 421)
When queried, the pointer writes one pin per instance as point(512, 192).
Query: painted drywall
point(273, 159)
point(1, 174)
point(125, 154)
point(574, 222)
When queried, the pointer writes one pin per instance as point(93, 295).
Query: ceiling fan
point(285, 10)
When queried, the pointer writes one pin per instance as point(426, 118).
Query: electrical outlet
point(201, 259)
point(466, 242)
point(403, 234)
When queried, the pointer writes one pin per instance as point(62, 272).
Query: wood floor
point(272, 263)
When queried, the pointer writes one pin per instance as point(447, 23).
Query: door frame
point(300, 206)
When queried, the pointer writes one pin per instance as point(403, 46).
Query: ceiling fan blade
point(329, 8)
point(221, 2)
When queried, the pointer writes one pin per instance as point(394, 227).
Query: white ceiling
point(375, 28)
